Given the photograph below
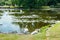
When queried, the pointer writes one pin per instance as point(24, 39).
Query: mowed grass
point(54, 32)
point(21, 37)
point(15, 37)
point(9, 37)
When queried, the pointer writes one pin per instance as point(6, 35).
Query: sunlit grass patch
point(55, 32)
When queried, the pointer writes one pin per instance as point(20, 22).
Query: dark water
point(16, 21)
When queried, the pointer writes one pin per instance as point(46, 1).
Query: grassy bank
point(40, 36)
point(54, 32)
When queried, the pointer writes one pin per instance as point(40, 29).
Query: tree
point(52, 2)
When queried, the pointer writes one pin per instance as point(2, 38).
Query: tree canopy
point(29, 3)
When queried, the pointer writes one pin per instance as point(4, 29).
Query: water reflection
point(6, 24)
point(15, 21)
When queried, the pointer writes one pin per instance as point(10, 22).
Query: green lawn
point(21, 37)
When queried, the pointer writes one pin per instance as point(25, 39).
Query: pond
point(21, 21)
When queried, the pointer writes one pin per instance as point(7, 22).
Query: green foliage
point(42, 34)
point(44, 28)
point(29, 4)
